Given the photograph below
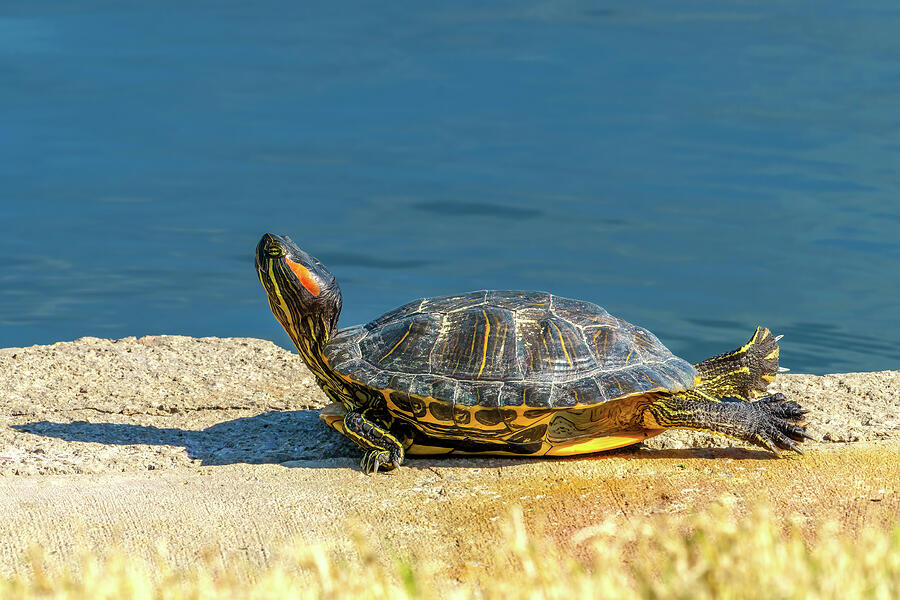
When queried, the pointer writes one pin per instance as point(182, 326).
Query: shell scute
point(526, 394)
point(343, 347)
point(441, 411)
point(613, 346)
point(445, 304)
point(651, 379)
point(477, 344)
point(489, 418)
point(462, 415)
point(399, 382)
point(680, 371)
point(434, 386)
point(585, 391)
point(482, 402)
point(409, 405)
point(517, 299)
point(647, 343)
point(583, 314)
point(406, 310)
point(550, 347)
point(475, 393)
point(619, 383)
point(392, 345)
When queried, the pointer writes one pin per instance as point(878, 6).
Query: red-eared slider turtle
point(512, 372)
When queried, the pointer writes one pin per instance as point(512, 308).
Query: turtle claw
point(377, 459)
point(785, 442)
point(371, 461)
point(804, 434)
point(795, 447)
point(779, 425)
point(768, 445)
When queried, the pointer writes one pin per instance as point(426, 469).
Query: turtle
point(509, 372)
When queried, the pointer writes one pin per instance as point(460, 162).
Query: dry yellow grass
point(715, 555)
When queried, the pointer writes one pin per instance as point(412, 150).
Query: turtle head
point(303, 294)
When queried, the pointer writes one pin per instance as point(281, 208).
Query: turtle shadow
point(299, 439)
point(711, 453)
point(635, 451)
point(296, 437)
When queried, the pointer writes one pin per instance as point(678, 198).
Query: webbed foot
point(776, 424)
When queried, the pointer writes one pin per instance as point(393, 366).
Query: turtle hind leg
point(745, 372)
point(772, 422)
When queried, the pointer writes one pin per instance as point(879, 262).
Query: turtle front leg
point(772, 422)
point(381, 448)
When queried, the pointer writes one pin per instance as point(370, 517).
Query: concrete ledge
point(214, 445)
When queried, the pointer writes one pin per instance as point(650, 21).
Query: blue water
point(695, 167)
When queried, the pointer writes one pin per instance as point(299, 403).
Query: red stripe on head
point(303, 275)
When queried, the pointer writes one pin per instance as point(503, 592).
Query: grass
point(719, 554)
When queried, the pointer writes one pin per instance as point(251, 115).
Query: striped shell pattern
point(494, 349)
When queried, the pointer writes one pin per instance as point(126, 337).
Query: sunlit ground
point(716, 555)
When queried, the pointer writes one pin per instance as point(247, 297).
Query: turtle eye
point(275, 251)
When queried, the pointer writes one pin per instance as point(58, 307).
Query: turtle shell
point(483, 361)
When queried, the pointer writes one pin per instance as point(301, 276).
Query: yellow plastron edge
point(333, 415)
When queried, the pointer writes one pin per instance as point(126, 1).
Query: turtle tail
point(743, 373)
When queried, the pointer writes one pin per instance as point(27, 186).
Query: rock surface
point(215, 445)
